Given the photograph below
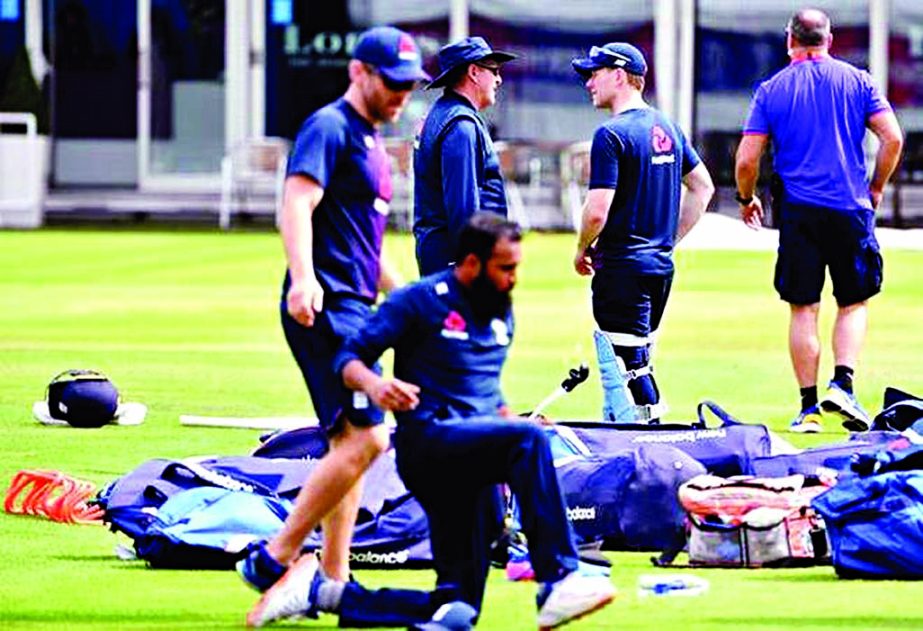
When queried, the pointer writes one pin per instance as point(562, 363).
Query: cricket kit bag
point(901, 411)
point(753, 522)
point(628, 500)
point(391, 529)
point(829, 459)
point(875, 519)
point(726, 450)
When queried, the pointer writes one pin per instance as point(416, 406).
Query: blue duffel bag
point(727, 449)
point(875, 522)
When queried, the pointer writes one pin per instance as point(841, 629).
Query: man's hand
point(876, 196)
point(394, 395)
point(752, 213)
point(583, 261)
point(305, 300)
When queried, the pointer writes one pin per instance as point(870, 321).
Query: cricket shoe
point(807, 422)
point(295, 594)
point(258, 569)
point(572, 597)
point(453, 616)
point(844, 405)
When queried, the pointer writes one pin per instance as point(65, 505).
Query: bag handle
point(190, 469)
point(725, 418)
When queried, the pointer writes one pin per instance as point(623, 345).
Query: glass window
point(542, 98)
point(93, 49)
point(905, 63)
point(307, 52)
point(12, 41)
point(736, 50)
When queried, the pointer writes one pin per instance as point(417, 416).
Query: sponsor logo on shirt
point(381, 206)
point(454, 325)
point(662, 145)
point(501, 331)
point(581, 513)
point(369, 142)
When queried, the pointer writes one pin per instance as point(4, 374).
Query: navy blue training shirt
point(643, 156)
point(344, 153)
point(439, 346)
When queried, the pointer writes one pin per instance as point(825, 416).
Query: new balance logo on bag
point(754, 522)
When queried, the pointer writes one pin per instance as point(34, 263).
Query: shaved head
point(810, 27)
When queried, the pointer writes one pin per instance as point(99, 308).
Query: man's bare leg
point(351, 453)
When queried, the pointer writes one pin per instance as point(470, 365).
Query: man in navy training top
point(816, 112)
point(456, 169)
point(634, 213)
point(337, 191)
point(455, 442)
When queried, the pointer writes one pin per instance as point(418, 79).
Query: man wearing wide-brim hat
point(456, 169)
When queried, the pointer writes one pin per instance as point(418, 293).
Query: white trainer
point(574, 596)
point(290, 596)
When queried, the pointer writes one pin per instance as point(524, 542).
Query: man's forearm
point(358, 376)
point(889, 154)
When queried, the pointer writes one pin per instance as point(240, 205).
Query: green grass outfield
point(186, 322)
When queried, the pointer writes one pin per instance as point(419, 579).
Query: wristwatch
point(743, 201)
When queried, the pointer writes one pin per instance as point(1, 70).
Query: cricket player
point(337, 192)
point(456, 169)
point(816, 112)
point(454, 443)
point(635, 212)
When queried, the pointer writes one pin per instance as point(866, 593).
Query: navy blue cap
point(393, 52)
point(612, 55)
point(463, 52)
point(83, 398)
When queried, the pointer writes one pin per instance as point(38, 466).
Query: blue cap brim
point(401, 74)
point(584, 66)
point(497, 55)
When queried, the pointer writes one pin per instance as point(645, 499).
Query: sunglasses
point(391, 84)
point(494, 70)
point(619, 60)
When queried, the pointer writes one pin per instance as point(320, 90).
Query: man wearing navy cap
point(337, 191)
point(456, 169)
point(633, 215)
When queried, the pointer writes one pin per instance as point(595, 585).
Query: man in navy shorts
point(337, 192)
point(816, 112)
point(455, 442)
point(633, 215)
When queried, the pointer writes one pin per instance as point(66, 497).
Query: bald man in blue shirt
point(816, 112)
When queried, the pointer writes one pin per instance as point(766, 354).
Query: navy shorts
point(314, 349)
point(628, 302)
point(813, 239)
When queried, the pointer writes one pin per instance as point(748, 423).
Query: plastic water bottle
point(671, 585)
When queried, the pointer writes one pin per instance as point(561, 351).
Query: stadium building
point(186, 106)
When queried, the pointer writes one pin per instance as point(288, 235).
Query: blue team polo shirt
point(643, 156)
point(438, 345)
point(344, 153)
point(816, 111)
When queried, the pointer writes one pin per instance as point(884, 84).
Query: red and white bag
point(747, 521)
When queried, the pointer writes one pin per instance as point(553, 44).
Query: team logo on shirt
point(453, 327)
point(662, 145)
point(501, 331)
